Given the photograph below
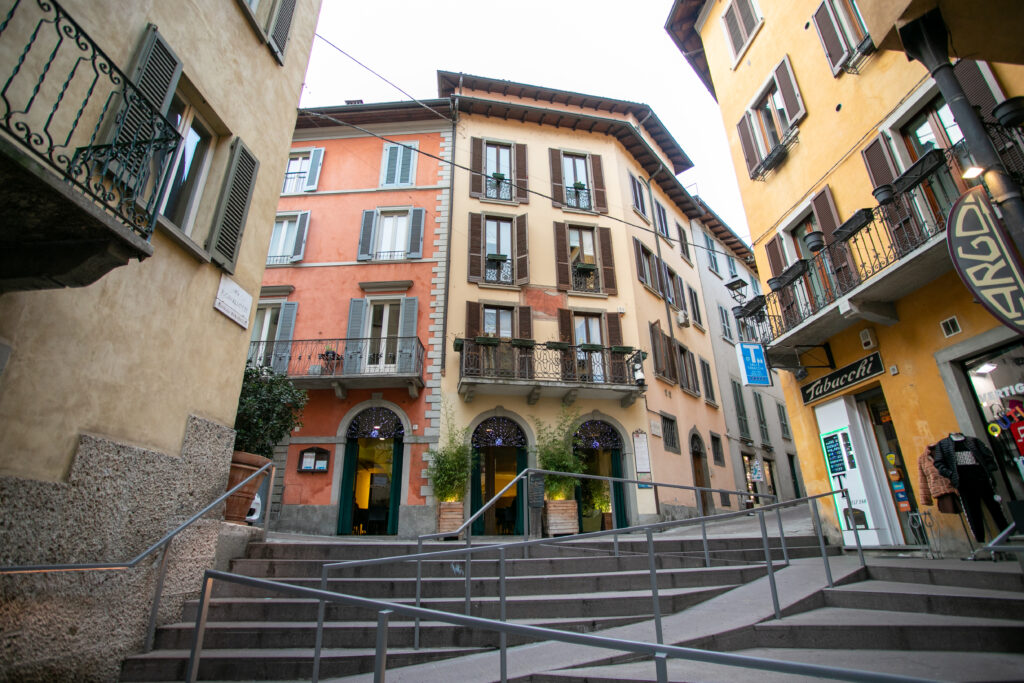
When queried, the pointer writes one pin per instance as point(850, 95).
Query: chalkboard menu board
point(535, 491)
point(834, 454)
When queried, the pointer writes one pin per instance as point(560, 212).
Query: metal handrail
point(164, 544)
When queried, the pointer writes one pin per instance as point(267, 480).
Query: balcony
point(498, 188)
point(83, 155)
point(585, 278)
point(578, 197)
point(520, 367)
point(343, 364)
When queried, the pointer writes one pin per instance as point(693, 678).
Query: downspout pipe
point(925, 40)
point(448, 248)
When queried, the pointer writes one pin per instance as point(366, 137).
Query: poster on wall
point(642, 458)
point(841, 461)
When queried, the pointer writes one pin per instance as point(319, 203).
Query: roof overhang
point(681, 27)
point(369, 114)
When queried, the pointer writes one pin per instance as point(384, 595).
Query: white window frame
point(382, 213)
point(296, 182)
point(738, 51)
point(382, 367)
point(190, 113)
point(296, 216)
point(510, 177)
point(414, 151)
point(510, 250)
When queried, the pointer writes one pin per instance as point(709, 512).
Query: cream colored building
point(143, 145)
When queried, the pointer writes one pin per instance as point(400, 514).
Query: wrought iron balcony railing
point(521, 359)
point(498, 188)
point(499, 272)
point(350, 357)
point(577, 198)
point(67, 103)
point(586, 280)
point(294, 182)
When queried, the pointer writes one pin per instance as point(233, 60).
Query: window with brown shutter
point(879, 161)
point(975, 87)
point(524, 318)
point(774, 251)
point(746, 133)
point(842, 33)
point(604, 242)
point(786, 82)
point(827, 218)
point(565, 325)
point(600, 196)
point(638, 250)
point(472, 319)
point(522, 251)
point(563, 276)
point(522, 175)
point(740, 22)
point(557, 187)
point(767, 129)
point(656, 349)
point(671, 367)
point(475, 268)
point(476, 167)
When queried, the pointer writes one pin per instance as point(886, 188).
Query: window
point(695, 307)
point(303, 171)
point(709, 385)
point(665, 360)
point(741, 410)
point(497, 322)
point(660, 220)
point(583, 259)
point(783, 421)
point(574, 172)
point(589, 362)
point(498, 251)
point(762, 420)
point(498, 247)
point(381, 336)
point(272, 21)
point(731, 265)
point(398, 165)
point(670, 287)
point(670, 433)
point(639, 199)
point(684, 243)
point(717, 454)
point(272, 332)
point(498, 171)
point(741, 22)
point(842, 32)
point(687, 365)
point(577, 181)
point(712, 249)
point(769, 125)
point(723, 315)
point(288, 241)
point(189, 166)
point(391, 234)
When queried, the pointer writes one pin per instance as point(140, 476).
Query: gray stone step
point(933, 599)
point(1004, 576)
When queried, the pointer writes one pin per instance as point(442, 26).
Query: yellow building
point(143, 146)
point(849, 161)
point(569, 262)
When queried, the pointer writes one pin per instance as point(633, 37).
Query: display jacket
point(945, 460)
point(931, 484)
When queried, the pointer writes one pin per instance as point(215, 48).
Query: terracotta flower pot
point(242, 465)
point(450, 516)
point(560, 517)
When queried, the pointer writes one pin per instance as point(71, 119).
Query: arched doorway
point(371, 479)
point(499, 446)
point(701, 476)
point(600, 447)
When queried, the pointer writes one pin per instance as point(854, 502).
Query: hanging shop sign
point(983, 255)
point(844, 377)
point(753, 365)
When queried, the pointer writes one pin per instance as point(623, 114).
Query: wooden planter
point(560, 517)
point(449, 516)
point(243, 464)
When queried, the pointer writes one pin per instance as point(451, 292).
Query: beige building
point(143, 146)
point(566, 271)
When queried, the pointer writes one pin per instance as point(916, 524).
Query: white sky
point(610, 48)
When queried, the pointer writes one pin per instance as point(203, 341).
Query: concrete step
point(930, 598)
point(1005, 576)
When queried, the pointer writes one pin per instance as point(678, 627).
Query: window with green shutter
point(398, 165)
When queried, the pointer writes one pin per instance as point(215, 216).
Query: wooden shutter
point(655, 268)
point(283, 338)
point(680, 292)
point(557, 187)
point(233, 206)
point(475, 267)
point(748, 20)
point(732, 25)
point(565, 325)
point(522, 251)
point(836, 50)
point(353, 359)
point(975, 87)
point(407, 342)
point(282, 26)
point(746, 133)
point(525, 322)
point(405, 170)
point(301, 230)
point(825, 213)
point(562, 271)
point(786, 82)
point(664, 286)
point(472, 319)
point(366, 236)
point(639, 252)
point(824, 209)
point(476, 167)
point(879, 162)
point(156, 74)
point(671, 366)
point(415, 248)
point(604, 244)
point(614, 327)
point(656, 349)
point(522, 175)
point(600, 196)
point(391, 154)
point(316, 160)
point(774, 251)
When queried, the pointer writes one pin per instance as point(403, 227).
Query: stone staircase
point(580, 587)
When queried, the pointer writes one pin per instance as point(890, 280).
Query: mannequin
point(968, 463)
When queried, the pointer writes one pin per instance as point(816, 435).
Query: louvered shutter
point(600, 195)
point(680, 293)
point(472, 319)
point(655, 268)
point(639, 252)
point(233, 206)
point(557, 187)
point(774, 251)
point(408, 343)
point(618, 360)
point(524, 314)
point(671, 366)
point(406, 168)
point(354, 342)
point(282, 26)
point(568, 357)
point(746, 133)
point(475, 267)
point(879, 162)
point(476, 167)
point(836, 50)
point(564, 325)
point(656, 350)
point(391, 158)
point(732, 25)
point(664, 286)
point(786, 83)
point(604, 243)
point(301, 230)
point(825, 213)
point(747, 17)
point(316, 160)
point(562, 271)
point(975, 87)
point(283, 338)
point(522, 251)
point(522, 175)
point(157, 70)
point(366, 235)
point(415, 249)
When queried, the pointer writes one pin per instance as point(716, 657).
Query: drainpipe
point(448, 247)
point(925, 39)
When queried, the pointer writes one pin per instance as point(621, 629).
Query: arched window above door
point(598, 434)
point(498, 431)
point(375, 423)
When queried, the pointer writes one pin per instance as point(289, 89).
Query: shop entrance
point(371, 479)
point(701, 476)
point(600, 504)
point(499, 447)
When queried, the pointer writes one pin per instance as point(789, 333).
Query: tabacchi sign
point(843, 377)
point(985, 259)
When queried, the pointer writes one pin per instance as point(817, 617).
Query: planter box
point(457, 345)
point(558, 346)
point(591, 347)
point(815, 240)
point(449, 517)
point(524, 343)
point(622, 349)
point(560, 517)
point(487, 341)
point(500, 258)
point(587, 267)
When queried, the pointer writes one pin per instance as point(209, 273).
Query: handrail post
point(654, 587)
point(526, 515)
point(468, 572)
point(320, 613)
point(200, 630)
point(813, 503)
point(419, 583)
point(380, 659)
point(768, 564)
point(661, 667)
point(272, 472)
point(157, 594)
point(782, 534)
point(703, 526)
point(502, 636)
point(853, 522)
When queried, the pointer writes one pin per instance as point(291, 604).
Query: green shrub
point(450, 462)
point(269, 407)
point(555, 451)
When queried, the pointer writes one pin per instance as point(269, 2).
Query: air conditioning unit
point(683, 318)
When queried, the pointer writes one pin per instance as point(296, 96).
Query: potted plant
point(499, 258)
point(269, 408)
point(884, 193)
point(498, 177)
point(815, 240)
point(448, 473)
point(578, 185)
point(556, 452)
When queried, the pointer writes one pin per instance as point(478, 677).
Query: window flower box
point(590, 267)
point(498, 258)
point(457, 345)
point(579, 186)
point(591, 347)
point(557, 345)
point(498, 176)
point(524, 343)
point(487, 341)
point(622, 349)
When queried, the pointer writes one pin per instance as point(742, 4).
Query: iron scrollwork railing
point(554, 361)
point(65, 101)
point(347, 357)
point(578, 198)
point(585, 280)
point(499, 188)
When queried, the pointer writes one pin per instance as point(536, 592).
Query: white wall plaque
point(233, 301)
